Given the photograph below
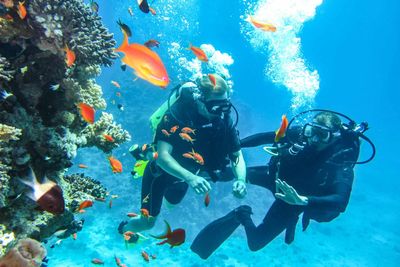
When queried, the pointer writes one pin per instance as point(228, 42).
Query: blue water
point(354, 48)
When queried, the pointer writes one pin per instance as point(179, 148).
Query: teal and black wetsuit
point(215, 141)
point(325, 177)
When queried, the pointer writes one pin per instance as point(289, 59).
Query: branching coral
point(72, 23)
point(86, 91)
point(105, 125)
point(5, 239)
point(27, 253)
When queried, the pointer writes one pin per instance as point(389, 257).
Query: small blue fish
point(4, 94)
point(54, 87)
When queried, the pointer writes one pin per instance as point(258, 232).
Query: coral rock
point(27, 253)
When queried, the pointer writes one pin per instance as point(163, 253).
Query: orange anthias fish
point(74, 236)
point(22, 10)
point(146, 63)
point(69, 57)
point(174, 128)
point(261, 25)
point(195, 156)
point(199, 53)
point(145, 256)
point(117, 261)
point(82, 166)
point(48, 195)
point(282, 130)
point(115, 164)
point(188, 130)
point(187, 137)
point(174, 238)
point(108, 138)
point(207, 200)
point(87, 112)
point(85, 204)
point(145, 213)
point(212, 80)
point(165, 132)
point(132, 214)
point(116, 84)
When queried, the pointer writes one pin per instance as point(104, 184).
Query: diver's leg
point(279, 217)
point(175, 193)
point(153, 187)
point(215, 233)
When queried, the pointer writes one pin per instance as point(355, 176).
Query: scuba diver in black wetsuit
point(195, 138)
point(310, 172)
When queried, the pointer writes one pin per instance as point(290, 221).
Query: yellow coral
point(8, 133)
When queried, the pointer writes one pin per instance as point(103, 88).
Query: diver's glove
point(288, 194)
point(239, 189)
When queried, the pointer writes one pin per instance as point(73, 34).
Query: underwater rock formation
point(40, 98)
point(5, 238)
point(27, 253)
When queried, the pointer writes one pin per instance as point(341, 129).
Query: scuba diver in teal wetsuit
point(310, 172)
point(195, 138)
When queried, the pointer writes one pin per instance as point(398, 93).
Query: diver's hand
point(239, 189)
point(199, 184)
point(288, 194)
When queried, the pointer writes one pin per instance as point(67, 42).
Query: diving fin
point(214, 234)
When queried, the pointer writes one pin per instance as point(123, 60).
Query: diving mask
point(218, 106)
point(318, 133)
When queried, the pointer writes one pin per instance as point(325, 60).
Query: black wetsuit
point(325, 177)
point(215, 141)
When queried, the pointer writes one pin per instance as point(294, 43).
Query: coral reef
point(5, 72)
point(105, 125)
point(42, 94)
point(27, 253)
point(5, 238)
point(81, 187)
point(8, 134)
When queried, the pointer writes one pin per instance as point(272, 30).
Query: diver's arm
point(341, 190)
point(171, 166)
point(239, 171)
point(258, 139)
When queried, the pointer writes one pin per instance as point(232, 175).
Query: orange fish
point(188, 130)
point(173, 129)
point(132, 214)
point(197, 157)
point(152, 11)
point(212, 79)
point(70, 56)
point(85, 204)
point(186, 137)
point(87, 112)
point(144, 147)
point(116, 84)
point(261, 25)
point(81, 211)
point(74, 236)
point(188, 155)
point(282, 130)
point(97, 261)
point(110, 204)
point(199, 53)
point(22, 10)
point(82, 166)
point(165, 132)
point(146, 63)
point(145, 256)
point(128, 235)
point(7, 3)
point(207, 200)
point(174, 238)
point(115, 164)
point(108, 138)
point(118, 94)
point(155, 155)
point(145, 213)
